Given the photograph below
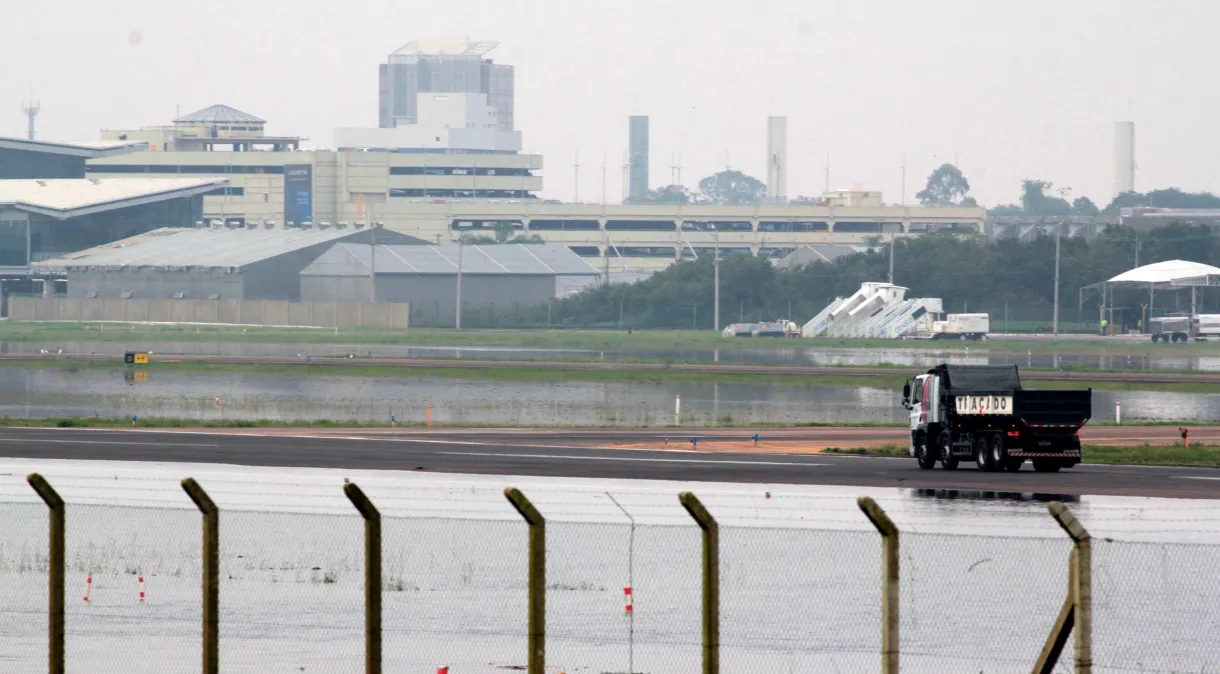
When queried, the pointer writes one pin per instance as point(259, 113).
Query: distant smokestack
point(777, 160)
point(1124, 157)
point(638, 143)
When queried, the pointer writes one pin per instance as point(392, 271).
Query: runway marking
point(17, 441)
point(629, 458)
point(1195, 477)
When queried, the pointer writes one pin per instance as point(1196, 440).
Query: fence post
point(211, 574)
point(1081, 592)
point(372, 576)
point(711, 580)
point(537, 579)
point(1048, 659)
point(55, 571)
point(889, 582)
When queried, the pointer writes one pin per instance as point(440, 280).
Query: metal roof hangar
point(203, 263)
point(427, 277)
point(20, 158)
point(41, 219)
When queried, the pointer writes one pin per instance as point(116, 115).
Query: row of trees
point(1006, 278)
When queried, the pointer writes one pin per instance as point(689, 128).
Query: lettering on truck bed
point(983, 404)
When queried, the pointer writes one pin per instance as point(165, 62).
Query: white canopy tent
point(1167, 275)
point(1170, 274)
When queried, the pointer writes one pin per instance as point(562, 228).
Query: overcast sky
point(1011, 89)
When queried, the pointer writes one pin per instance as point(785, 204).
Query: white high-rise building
point(1124, 157)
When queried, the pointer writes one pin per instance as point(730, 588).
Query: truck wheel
point(947, 460)
point(999, 454)
point(924, 454)
point(1046, 466)
point(982, 455)
point(1156, 338)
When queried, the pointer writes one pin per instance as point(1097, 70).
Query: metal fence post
point(55, 571)
point(889, 582)
point(711, 580)
point(537, 579)
point(211, 574)
point(1081, 592)
point(372, 576)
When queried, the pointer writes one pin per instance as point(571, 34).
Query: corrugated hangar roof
point(91, 149)
point(221, 114)
point(71, 197)
point(350, 259)
point(177, 247)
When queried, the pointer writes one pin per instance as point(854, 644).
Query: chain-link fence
point(620, 596)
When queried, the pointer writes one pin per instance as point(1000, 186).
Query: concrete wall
point(235, 312)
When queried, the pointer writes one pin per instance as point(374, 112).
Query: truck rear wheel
point(923, 453)
point(982, 455)
point(999, 453)
point(947, 460)
point(1046, 466)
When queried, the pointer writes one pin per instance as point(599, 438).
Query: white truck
point(962, 326)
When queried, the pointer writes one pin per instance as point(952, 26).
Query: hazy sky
point(1012, 89)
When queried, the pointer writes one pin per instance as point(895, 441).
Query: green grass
point(1207, 456)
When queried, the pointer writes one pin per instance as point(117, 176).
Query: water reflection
point(59, 391)
point(970, 495)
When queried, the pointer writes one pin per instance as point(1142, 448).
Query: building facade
point(441, 65)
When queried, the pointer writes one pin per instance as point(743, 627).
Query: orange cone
point(88, 586)
point(627, 598)
point(141, 588)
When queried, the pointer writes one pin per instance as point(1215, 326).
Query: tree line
point(1006, 278)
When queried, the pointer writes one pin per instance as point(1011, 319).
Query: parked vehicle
point(1207, 326)
point(981, 412)
point(962, 326)
point(1171, 328)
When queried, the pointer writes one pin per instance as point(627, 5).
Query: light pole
point(716, 280)
point(1055, 318)
point(458, 309)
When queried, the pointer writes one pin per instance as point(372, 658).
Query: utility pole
point(903, 201)
point(373, 263)
point(458, 309)
point(625, 179)
point(1137, 250)
point(826, 190)
point(716, 280)
point(1055, 318)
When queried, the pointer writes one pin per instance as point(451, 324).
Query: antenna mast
point(31, 111)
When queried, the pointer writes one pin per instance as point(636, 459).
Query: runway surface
point(698, 368)
point(580, 454)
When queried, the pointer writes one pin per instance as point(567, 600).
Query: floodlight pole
point(716, 279)
point(1055, 318)
point(458, 309)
